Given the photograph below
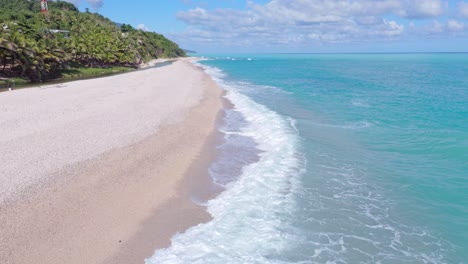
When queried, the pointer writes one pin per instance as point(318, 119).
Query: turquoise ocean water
point(337, 158)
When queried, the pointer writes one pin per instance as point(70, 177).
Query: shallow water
point(362, 158)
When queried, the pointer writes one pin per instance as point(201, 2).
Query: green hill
point(38, 47)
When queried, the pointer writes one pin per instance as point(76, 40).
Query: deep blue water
point(363, 158)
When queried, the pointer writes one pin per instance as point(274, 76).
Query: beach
point(104, 170)
point(329, 158)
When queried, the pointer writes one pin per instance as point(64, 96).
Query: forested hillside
point(38, 46)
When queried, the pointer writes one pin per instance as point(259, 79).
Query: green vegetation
point(11, 83)
point(71, 74)
point(82, 72)
point(40, 47)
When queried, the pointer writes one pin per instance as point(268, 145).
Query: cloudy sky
point(214, 26)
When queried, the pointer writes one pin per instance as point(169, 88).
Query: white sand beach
point(100, 170)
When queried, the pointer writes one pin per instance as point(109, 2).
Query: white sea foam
point(246, 225)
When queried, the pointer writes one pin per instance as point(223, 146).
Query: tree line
point(37, 46)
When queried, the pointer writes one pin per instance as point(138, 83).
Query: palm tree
point(8, 53)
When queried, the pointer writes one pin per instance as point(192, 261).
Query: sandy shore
point(103, 170)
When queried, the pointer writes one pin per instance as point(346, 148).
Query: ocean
point(337, 158)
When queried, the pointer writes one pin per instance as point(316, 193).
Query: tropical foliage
point(38, 47)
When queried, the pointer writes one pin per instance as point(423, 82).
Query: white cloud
point(304, 23)
point(450, 28)
point(423, 8)
point(301, 22)
point(436, 27)
point(346, 8)
point(96, 3)
point(463, 9)
point(143, 27)
point(455, 26)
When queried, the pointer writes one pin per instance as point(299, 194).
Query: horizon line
point(324, 53)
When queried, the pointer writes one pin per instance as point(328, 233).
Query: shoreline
point(92, 212)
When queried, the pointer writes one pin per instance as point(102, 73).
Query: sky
point(297, 26)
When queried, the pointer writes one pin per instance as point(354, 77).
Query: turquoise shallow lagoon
point(363, 159)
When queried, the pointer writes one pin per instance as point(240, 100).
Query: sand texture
point(100, 171)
